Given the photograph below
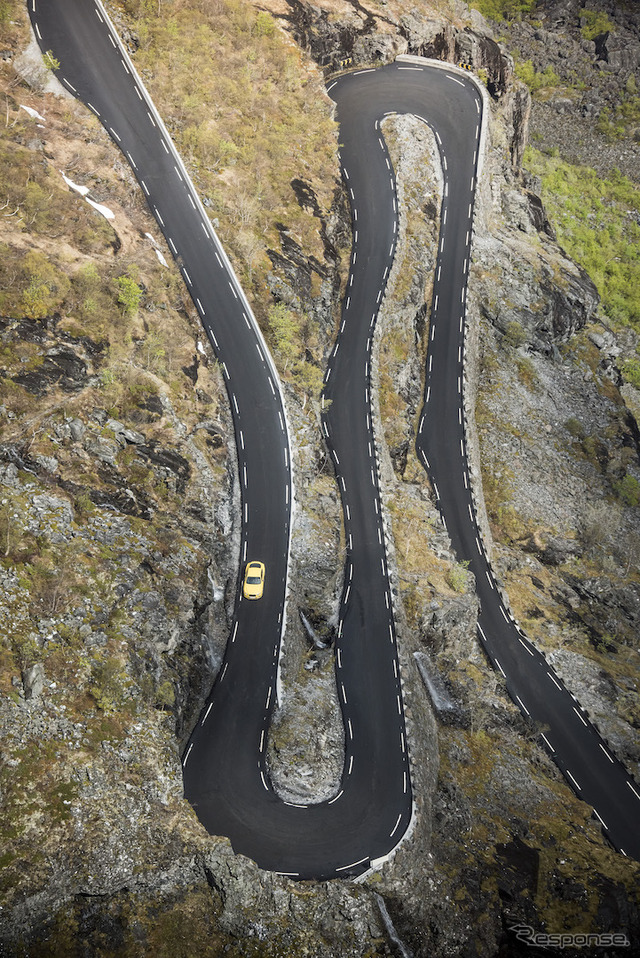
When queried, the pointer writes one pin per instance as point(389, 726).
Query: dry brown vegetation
point(248, 114)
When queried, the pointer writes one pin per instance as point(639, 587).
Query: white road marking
point(113, 133)
point(362, 860)
point(602, 821)
point(206, 714)
point(573, 780)
point(393, 830)
point(500, 668)
point(523, 706)
point(547, 742)
point(264, 781)
point(579, 716)
point(186, 758)
point(633, 789)
point(92, 107)
point(525, 646)
point(605, 752)
point(331, 801)
point(554, 680)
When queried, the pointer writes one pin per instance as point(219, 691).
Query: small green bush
point(514, 334)
point(628, 490)
point(631, 372)
point(575, 428)
point(503, 9)
point(594, 23)
point(536, 80)
point(457, 577)
point(129, 295)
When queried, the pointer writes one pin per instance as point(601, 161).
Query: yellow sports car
point(253, 580)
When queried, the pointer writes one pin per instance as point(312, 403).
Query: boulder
point(33, 681)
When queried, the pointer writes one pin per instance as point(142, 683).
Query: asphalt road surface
point(225, 773)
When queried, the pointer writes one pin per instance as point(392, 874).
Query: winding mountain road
point(225, 773)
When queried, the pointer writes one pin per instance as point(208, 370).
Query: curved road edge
point(241, 294)
point(619, 831)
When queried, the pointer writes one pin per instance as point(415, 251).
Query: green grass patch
point(596, 221)
point(593, 23)
point(536, 80)
point(499, 10)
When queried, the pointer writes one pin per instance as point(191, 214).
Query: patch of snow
point(82, 190)
point(32, 113)
point(106, 212)
point(157, 249)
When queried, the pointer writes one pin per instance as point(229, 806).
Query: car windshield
point(253, 579)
